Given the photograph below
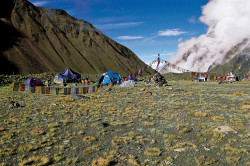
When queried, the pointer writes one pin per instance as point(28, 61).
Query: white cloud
point(228, 33)
point(129, 37)
point(192, 20)
point(119, 25)
point(171, 32)
point(40, 3)
point(180, 40)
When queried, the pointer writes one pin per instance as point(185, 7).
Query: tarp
point(108, 77)
point(69, 75)
point(131, 78)
point(31, 82)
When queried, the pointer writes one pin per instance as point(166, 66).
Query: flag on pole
point(38, 89)
point(84, 91)
point(65, 91)
point(80, 90)
point(43, 89)
point(68, 91)
point(22, 87)
point(47, 90)
point(158, 59)
point(15, 86)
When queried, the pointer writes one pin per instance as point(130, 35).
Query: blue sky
point(147, 27)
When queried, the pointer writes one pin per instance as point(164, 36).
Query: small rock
point(206, 149)
point(129, 83)
point(245, 107)
point(103, 125)
point(66, 141)
point(148, 92)
point(14, 104)
point(180, 150)
point(21, 103)
point(154, 94)
point(11, 106)
point(223, 129)
point(142, 89)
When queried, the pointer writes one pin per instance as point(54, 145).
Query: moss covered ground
point(184, 123)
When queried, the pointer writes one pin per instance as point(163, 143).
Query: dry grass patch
point(38, 131)
point(152, 152)
point(200, 114)
point(101, 162)
point(133, 161)
point(92, 149)
point(233, 154)
point(205, 160)
point(27, 148)
point(218, 118)
point(238, 94)
point(89, 139)
point(4, 152)
point(36, 160)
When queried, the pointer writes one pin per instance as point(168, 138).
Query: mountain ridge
point(46, 39)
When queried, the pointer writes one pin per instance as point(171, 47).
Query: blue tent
point(69, 75)
point(108, 77)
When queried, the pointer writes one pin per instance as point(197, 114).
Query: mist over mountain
point(239, 65)
point(36, 40)
point(227, 35)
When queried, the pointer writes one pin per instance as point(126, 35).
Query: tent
point(108, 77)
point(201, 79)
point(31, 82)
point(68, 75)
point(133, 78)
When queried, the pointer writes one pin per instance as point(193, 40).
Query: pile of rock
point(156, 80)
point(17, 104)
point(129, 83)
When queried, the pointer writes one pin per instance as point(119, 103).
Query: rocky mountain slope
point(239, 65)
point(36, 40)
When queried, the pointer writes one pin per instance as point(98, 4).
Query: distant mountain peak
point(154, 64)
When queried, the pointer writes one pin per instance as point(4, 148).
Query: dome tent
point(31, 82)
point(68, 75)
point(108, 77)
